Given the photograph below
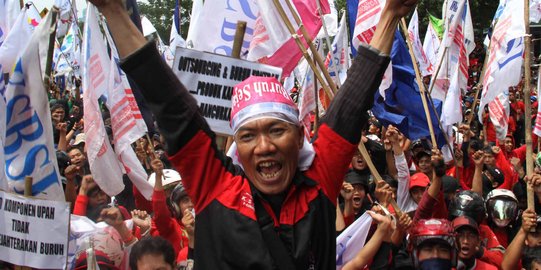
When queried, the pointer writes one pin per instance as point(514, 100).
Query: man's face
point(417, 193)
point(512, 96)
point(77, 158)
point(468, 242)
point(373, 129)
point(508, 145)
point(425, 165)
point(434, 250)
point(269, 150)
point(58, 115)
point(533, 239)
point(490, 159)
point(153, 262)
point(358, 196)
point(357, 162)
point(184, 204)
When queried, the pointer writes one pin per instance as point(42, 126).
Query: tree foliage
point(160, 14)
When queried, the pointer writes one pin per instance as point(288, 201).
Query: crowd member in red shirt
point(502, 209)
point(469, 244)
point(168, 216)
point(495, 158)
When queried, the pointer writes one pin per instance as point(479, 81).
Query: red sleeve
point(80, 205)
point(521, 153)
point(425, 207)
point(510, 177)
point(491, 255)
point(140, 202)
point(166, 226)
point(333, 156)
point(440, 208)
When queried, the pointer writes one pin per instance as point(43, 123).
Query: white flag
point(104, 165)
point(368, 15)
point(270, 30)
point(504, 63)
point(413, 31)
point(338, 59)
point(453, 39)
point(68, 15)
point(431, 45)
point(352, 240)
point(9, 12)
point(29, 149)
point(18, 37)
point(195, 21)
point(331, 22)
point(307, 96)
point(127, 123)
point(214, 29)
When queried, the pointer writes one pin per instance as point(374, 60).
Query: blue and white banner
point(28, 148)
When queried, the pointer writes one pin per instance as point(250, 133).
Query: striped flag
point(413, 30)
point(431, 44)
point(504, 64)
point(127, 123)
point(338, 59)
point(368, 15)
point(106, 170)
point(272, 43)
point(28, 146)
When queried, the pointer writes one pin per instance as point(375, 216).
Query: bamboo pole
point(435, 75)
point(527, 103)
point(316, 97)
point(237, 46)
point(326, 87)
point(27, 193)
point(313, 49)
point(376, 174)
point(333, 65)
point(50, 49)
point(419, 82)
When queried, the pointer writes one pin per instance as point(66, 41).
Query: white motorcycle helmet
point(502, 207)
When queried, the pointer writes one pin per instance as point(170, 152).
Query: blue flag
point(402, 106)
point(352, 6)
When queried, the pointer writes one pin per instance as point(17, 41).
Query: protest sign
point(33, 232)
point(210, 78)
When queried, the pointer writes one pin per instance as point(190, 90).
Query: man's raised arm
point(347, 113)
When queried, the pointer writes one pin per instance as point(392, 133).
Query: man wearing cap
point(278, 209)
point(468, 244)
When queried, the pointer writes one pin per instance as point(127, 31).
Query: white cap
point(169, 177)
point(80, 138)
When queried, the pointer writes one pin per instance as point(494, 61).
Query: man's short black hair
point(154, 246)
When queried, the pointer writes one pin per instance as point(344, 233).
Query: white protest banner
point(33, 232)
point(210, 78)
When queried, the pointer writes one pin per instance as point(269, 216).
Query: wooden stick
point(28, 181)
point(419, 82)
point(376, 174)
point(237, 46)
point(316, 96)
point(50, 49)
point(313, 49)
point(303, 49)
point(527, 103)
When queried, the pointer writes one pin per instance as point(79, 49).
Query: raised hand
point(188, 220)
point(479, 158)
point(400, 8)
point(141, 219)
point(347, 191)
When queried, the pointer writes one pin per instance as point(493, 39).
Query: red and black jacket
point(227, 234)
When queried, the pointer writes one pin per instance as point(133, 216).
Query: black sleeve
point(173, 106)
point(347, 112)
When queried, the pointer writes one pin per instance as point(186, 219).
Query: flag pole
point(435, 75)
point(527, 103)
point(313, 49)
point(325, 86)
point(419, 82)
point(332, 64)
point(235, 53)
point(376, 174)
point(50, 49)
